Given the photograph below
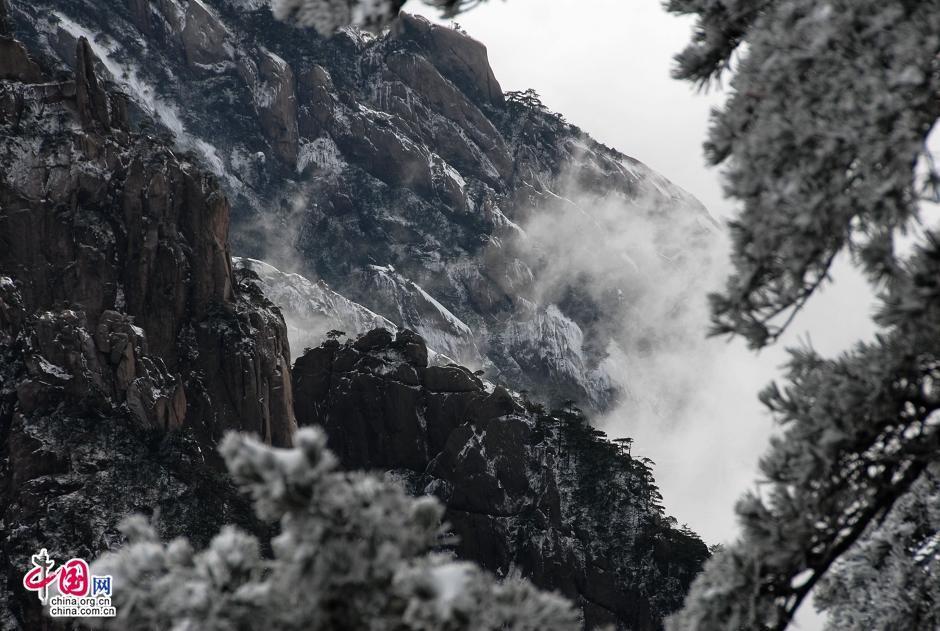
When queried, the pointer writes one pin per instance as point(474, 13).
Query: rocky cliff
point(527, 491)
point(396, 171)
point(127, 343)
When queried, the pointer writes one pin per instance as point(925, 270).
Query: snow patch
point(323, 154)
point(311, 309)
point(445, 313)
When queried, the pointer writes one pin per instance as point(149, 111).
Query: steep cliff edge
point(448, 175)
point(127, 344)
point(527, 491)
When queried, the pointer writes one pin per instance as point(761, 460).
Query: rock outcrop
point(127, 343)
point(526, 490)
point(461, 59)
point(271, 82)
point(17, 66)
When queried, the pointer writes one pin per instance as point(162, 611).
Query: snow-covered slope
point(311, 310)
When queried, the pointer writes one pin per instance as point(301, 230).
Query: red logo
point(73, 577)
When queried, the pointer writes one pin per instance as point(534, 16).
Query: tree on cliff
point(328, 15)
point(354, 552)
point(823, 141)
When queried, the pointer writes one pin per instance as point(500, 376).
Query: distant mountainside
point(413, 197)
point(395, 170)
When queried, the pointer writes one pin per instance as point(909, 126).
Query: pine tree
point(823, 141)
point(353, 552)
point(326, 16)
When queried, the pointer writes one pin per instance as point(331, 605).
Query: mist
point(606, 65)
point(647, 264)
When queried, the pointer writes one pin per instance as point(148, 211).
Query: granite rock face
point(348, 155)
point(127, 343)
point(526, 490)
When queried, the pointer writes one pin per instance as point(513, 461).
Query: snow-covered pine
point(859, 432)
point(829, 110)
point(894, 572)
point(824, 143)
point(354, 552)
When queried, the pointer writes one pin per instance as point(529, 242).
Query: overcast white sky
point(605, 65)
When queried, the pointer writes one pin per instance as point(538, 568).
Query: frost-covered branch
point(353, 552)
point(829, 109)
point(823, 140)
point(861, 431)
point(894, 572)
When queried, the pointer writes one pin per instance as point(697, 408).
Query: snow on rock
point(551, 341)
point(322, 154)
point(421, 312)
point(311, 309)
point(127, 74)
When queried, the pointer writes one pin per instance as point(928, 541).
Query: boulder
point(372, 141)
point(317, 100)
point(443, 97)
point(459, 57)
point(374, 340)
point(412, 347)
point(451, 379)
